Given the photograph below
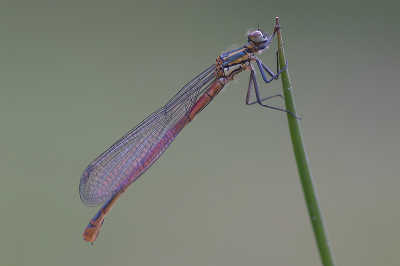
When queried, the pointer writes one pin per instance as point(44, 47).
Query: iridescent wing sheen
point(116, 168)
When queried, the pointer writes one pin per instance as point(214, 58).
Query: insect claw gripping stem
point(277, 27)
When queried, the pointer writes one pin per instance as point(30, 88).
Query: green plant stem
point(307, 183)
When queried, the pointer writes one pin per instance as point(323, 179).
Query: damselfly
point(110, 174)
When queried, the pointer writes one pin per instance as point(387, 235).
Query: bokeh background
point(77, 75)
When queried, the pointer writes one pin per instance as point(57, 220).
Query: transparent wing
point(116, 168)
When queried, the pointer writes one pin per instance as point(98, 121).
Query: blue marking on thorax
point(231, 56)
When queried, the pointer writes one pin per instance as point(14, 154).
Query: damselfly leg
point(253, 81)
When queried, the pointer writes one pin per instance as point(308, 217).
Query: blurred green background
point(78, 75)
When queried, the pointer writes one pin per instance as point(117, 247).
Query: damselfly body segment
point(110, 174)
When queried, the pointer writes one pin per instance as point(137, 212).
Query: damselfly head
point(257, 37)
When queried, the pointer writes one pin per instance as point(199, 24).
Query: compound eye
point(256, 36)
